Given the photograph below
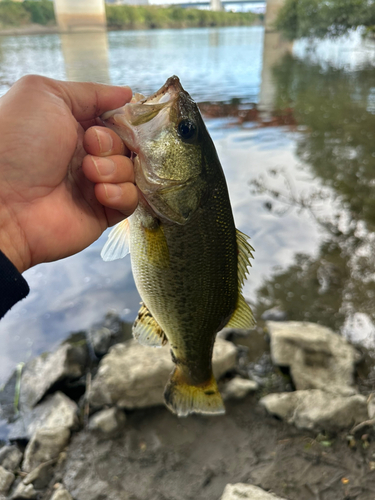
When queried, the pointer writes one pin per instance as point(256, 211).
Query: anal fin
point(147, 331)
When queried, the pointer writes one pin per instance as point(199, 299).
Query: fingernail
point(104, 166)
point(112, 191)
point(105, 140)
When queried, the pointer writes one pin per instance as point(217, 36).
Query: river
point(294, 132)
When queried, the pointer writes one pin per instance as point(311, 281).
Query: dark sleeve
point(13, 287)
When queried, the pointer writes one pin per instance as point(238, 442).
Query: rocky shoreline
point(87, 421)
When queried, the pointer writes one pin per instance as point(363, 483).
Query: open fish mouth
point(141, 110)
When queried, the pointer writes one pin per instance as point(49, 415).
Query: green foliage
point(149, 16)
point(42, 11)
point(20, 14)
point(319, 18)
point(13, 14)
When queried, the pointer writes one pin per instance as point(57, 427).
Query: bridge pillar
point(272, 10)
point(216, 5)
point(80, 15)
point(274, 49)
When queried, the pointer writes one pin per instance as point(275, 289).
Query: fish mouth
point(143, 110)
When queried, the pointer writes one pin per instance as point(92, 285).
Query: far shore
point(39, 29)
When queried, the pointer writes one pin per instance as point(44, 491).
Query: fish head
point(167, 136)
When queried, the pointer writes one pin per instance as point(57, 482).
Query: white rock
point(238, 388)
point(61, 494)
point(318, 358)
point(241, 491)
point(134, 376)
point(317, 410)
point(25, 491)
point(45, 370)
point(56, 410)
point(6, 480)
point(45, 445)
point(107, 422)
point(10, 457)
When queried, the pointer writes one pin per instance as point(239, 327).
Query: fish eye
point(187, 130)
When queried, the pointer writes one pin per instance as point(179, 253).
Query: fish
point(188, 260)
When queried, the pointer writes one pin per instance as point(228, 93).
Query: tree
point(319, 18)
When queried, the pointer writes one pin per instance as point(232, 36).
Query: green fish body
point(188, 260)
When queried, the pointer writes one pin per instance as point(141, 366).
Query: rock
point(24, 492)
point(38, 376)
point(370, 406)
point(61, 494)
point(41, 476)
point(6, 480)
point(318, 358)
point(241, 491)
point(7, 409)
point(134, 376)
point(10, 457)
point(317, 410)
point(107, 422)
point(238, 388)
point(56, 410)
point(45, 445)
point(274, 314)
point(109, 332)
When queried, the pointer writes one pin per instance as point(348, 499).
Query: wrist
point(12, 242)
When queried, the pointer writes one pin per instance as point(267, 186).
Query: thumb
point(89, 100)
point(86, 101)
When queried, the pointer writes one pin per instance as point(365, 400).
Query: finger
point(101, 141)
point(89, 100)
point(113, 169)
point(122, 197)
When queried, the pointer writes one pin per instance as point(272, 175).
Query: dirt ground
point(161, 457)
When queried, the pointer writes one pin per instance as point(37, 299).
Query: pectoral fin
point(117, 245)
point(147, 331)
point(156, 245)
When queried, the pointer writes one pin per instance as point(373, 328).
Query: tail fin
point(183, 398)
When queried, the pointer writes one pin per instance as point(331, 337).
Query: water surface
point(304, 193)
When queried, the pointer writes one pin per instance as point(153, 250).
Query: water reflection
point(336, 287)
point(274, 48)
point(86, 56)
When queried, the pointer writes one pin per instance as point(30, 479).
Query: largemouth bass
point(188, 260)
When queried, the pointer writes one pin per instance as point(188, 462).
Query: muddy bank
point(159, 457)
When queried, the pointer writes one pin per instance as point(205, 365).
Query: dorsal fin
point(242, 316)
point(146, 330)
point(117, 245)
point(244, 250)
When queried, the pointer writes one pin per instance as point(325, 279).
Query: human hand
point(55, 200)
